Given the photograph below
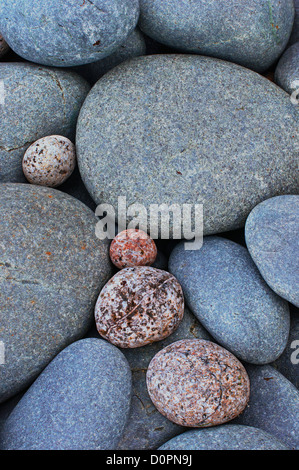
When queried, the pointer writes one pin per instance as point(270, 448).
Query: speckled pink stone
point(131, 248)
point(197, 383)
point(50, 161)
point(139, 306)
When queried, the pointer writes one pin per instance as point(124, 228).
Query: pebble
point(228, 437)
point(50, 161)
point(52, 268)
point(63, 35)
point(197, 383)
point(225, 291)
point(287, 71)
point(273, 405)
point(48, 101)
point(147, 428)
point(271, 233)
point(131, 248)
point(139, 306)
point(134, 46)
point(80, 401)
point(146, 114)
point(253, 35)
point(4, 47)
point(295, 32)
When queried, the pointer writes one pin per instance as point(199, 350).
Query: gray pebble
point(295, 32)
point(287, 70)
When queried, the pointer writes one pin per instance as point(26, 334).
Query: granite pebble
point(132, 248)
point(287, 70)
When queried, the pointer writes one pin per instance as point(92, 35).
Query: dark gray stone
point(295, 32)
point(80, 401)
point(64, 33)
point(39, 101)
point(252, 34)
point(273, 405)
point(227, 437)
point(52, 268)
point(287, 70)
point(271, 233)
point(225, 291)
point(288, 363)
point(200, 129)
point(147, 428)
point(134, 46)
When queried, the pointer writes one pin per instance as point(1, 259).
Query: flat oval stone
point(38, 102)
point(253, 34)
point(52, 268)
point(53, 32)
point(287, 70)
point(271, 233)
point(146, 428)
point(197, 383)
point(273, 405)
point(225, 291)
point(228, 437)
point(164, 113)
point(80, 401)
point(139, 306)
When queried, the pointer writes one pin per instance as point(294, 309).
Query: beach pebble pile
point(138, 338)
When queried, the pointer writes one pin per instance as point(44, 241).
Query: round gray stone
point(225, 291)
point(273, 405)
point(271, 233)
point(52, 268)
point(295, 32)
point(134, 46)
point(287, 70)
point(188, 129)
point(226, 437)
point(146, 428)
point(64, 33)
point(80, 401)
point(252, 34)
point(37, 102)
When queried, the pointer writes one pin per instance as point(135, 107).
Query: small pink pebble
point(132, 248)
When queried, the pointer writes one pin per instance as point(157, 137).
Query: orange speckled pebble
point(139, 306)
point(131, 248)
point(197, 383)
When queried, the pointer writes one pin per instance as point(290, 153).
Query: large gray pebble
point(188, 129)
point(80, 401)
point(287, 70)
point(252, 34)
point(134, 46)
point(271, 233)
point(273, 405)
point(226, 292)
point(52, 268)
point(227, 437)
point(38, 101)
point(295, 32)
point(64, 33)
point(146, 427)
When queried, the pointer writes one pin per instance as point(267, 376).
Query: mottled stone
point(139, 306)
point(295, 32)
point(134, 46)
point(197, 383)
point(228, 437)
point(224, 289)
point(52, 268)
point(80, 401)
point(147, 428)
point(288, 363)
point(252, 34)
point(64, 33)
point(271, 233)
point(287, 70)
point(132, 248)
point(38, 101)
point(4, 47)
point(273, 405)
point(188, 129)
point(50, 161)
